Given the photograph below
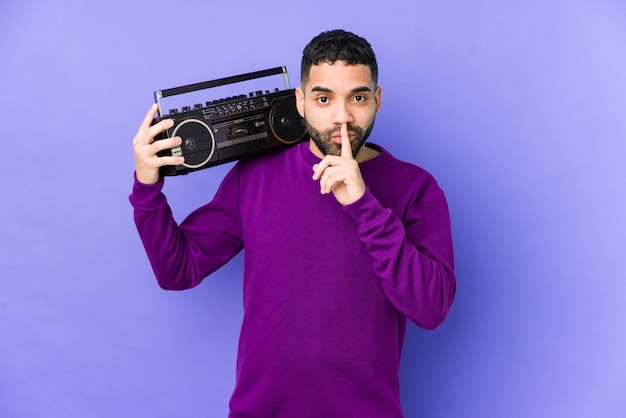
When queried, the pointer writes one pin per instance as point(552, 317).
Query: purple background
point(517, 108)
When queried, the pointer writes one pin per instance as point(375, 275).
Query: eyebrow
point(363, 89)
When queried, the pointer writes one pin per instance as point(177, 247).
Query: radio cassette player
point(232, 128)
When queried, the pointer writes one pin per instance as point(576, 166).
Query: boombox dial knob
point(198, 142)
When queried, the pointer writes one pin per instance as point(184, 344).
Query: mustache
point(351, 129)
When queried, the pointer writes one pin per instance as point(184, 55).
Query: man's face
point(336, 94)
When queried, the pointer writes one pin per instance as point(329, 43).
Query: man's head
point(339, 85)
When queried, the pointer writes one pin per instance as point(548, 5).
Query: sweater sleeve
point(412, 256)
point(182, 255)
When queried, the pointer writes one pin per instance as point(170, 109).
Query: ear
point(378, 95)
point(300, 101)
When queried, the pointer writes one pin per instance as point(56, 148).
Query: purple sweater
point(327, 289)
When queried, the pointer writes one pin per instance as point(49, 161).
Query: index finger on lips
point(346, 148)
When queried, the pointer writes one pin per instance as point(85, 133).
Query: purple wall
point(519, 110)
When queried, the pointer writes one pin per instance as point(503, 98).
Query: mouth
point(336, 138)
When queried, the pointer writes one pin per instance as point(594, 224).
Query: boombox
point(232, 128)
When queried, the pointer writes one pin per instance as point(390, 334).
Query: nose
point(342, 113)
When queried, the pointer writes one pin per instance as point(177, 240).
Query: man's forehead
point(339, 74)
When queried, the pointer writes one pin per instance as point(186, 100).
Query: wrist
point(147, 177)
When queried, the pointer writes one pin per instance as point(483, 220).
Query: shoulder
point(388, 169)
point(270, 162)
point(405, 188)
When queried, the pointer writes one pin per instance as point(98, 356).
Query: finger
point(333, 175)
point(328, 161)
point(144, 127)
point(324, 176)
point(346, 148)
point(327, 181)
point(147, 120)
point(318, 169)
point(167, 143)
point(159, 127)
point(148, 155)
point(174, 160)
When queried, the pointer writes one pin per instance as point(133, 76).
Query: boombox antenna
point(286, 77)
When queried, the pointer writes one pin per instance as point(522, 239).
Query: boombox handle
point(158, 95)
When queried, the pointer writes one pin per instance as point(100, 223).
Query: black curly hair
point(338, 45)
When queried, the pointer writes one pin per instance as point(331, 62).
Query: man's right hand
point(147, 162)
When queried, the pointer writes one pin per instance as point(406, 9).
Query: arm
point(181, 256)
point(413, 257)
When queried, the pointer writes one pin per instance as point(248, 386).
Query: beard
point(324, 142)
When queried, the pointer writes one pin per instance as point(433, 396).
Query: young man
point(343, 244)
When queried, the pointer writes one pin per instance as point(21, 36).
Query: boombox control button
point(190, 144)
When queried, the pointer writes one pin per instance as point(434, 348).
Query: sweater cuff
point(366, 207)
point(147, 196)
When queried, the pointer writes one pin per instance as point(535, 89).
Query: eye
point(322, 99)
point(359, 98)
